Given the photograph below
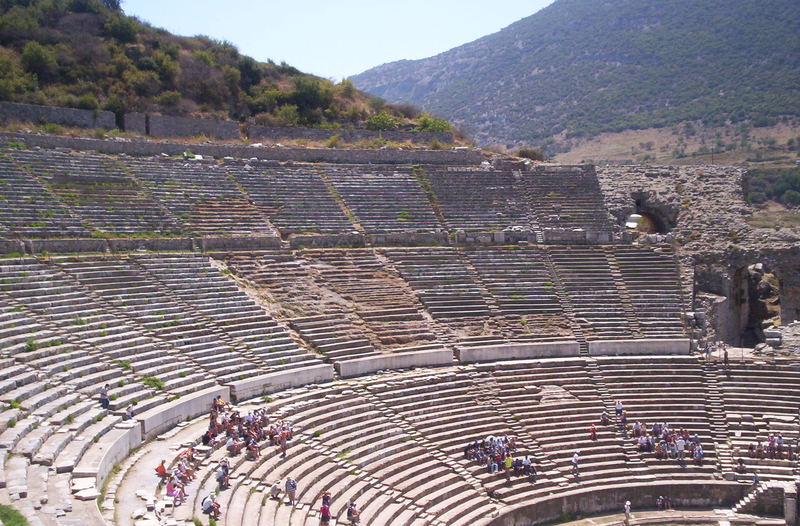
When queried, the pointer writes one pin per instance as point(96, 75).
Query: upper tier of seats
point(62, 195)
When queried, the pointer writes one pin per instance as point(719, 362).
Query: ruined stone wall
point(167, 126)
point(12, 111)
point(328, 155)
point(279, 133)
point(704, 209)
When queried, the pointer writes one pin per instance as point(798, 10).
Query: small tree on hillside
point(381, 122)
point(534, 154)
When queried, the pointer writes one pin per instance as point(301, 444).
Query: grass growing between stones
point(11, 517)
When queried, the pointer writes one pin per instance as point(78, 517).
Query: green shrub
point(153, 382)
point(334, 141)
point(288, 115)
point(381, 122)
point(791, 198)
point(39, 60)
point(429, 123)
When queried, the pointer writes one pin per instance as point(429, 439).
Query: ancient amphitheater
point(393, 307)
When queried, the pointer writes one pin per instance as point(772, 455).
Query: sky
point(335, 38)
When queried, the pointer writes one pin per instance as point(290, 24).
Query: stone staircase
point(715, 406)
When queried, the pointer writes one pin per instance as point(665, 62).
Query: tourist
point(130, 411)
point(291, 490)
point(104, 400)
point(575, 459)
point(627, 508)
point(604, 420)
point(725, 362)
point(618, 407)
point(175, 490)
point(275, 491)
point(161, 470)
point(353, 514)
point(210, 506)
point(222, 474)
point(325, 514)
point(593, 432)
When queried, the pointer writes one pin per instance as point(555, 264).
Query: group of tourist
point(182, 473)
point(668, 443)
point(237, 433)
point(775, 448)
point(661, 438)
point(497, 454)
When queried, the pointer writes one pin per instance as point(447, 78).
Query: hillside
point(579, 68)
point(88, 54)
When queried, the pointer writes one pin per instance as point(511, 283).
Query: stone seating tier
point(88, 195)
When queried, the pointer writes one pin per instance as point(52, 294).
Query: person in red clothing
point(593, 432)
point(161, 470)
point(325, 515)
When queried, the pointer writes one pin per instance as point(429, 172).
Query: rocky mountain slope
point(579, 68)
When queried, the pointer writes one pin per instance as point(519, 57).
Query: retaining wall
point(167, 126)
point(112, 447)
point(277, 133)
point(328, 155)
point(642, 495)
point(627, 347)
point(272, 382)
point(13, 111)
point(165, 416)
point(400, 360)
point(520, 351)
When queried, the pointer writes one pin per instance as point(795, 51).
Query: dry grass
point(772, 214)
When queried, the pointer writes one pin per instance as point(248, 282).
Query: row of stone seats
point(122, 352)
point(348, 447)
point(556, 402)
point(654, 285)
point(384, 199)
point(201, 195)
point(518, 278)
point(441, 281)
point(297, 200)
point(479, 200)
point(586, 275)
point(99, 190)
point(243, 323)
point(288, 279)
point(567, 200)
point(393, 290)
point(661, 390)
point(335, 336)
point(385, 303)
point(763, 399)
point(132, 195)
point(29, 209)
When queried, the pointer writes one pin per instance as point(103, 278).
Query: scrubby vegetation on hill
point(89, 54)
point(579, 68)
point(777, 184)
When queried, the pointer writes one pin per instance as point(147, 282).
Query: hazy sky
point(332, 38)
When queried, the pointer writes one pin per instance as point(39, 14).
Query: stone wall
point(612, 499)
point(12, 111)
point(328, 155)
point(167, 126)
point(278, 133)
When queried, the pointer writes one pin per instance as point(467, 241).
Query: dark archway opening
point(652, 218)
point(756, 297)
